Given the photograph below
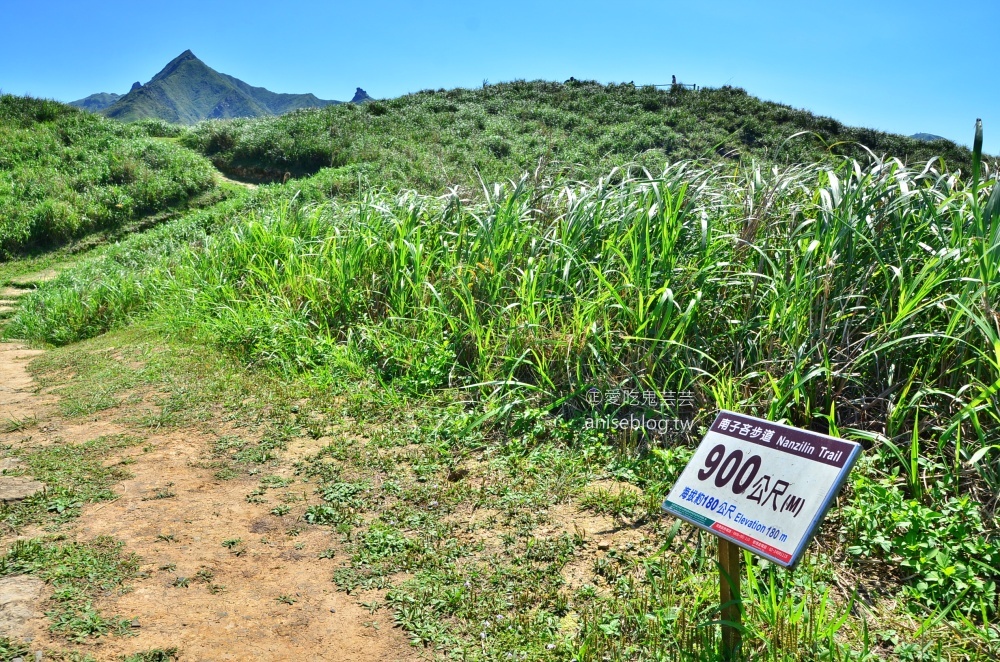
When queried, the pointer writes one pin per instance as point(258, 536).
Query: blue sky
point(896, 66)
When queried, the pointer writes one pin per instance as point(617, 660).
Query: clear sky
point(897, 66)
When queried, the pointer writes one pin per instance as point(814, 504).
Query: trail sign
point(761, 485)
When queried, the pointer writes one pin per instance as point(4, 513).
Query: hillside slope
point(360, 96)
point(444, 347)
point(432, 140)
point(65, 172)
point(187, 91)
point(423, 366)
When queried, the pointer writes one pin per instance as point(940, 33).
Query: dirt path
point(267, 597)
point(8, 300)
point(19, 286)
point(247, 185)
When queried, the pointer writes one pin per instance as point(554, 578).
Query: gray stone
point(19, 596)
point(18, 488)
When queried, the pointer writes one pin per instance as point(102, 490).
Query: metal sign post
point(760, 486)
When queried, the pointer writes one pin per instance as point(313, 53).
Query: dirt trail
point(247, 185)
point(8, 300)
point(175, 516)
point(18, 399)
point(20, 286)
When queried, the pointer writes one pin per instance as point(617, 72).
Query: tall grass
point(827, 303)
point(856, 300)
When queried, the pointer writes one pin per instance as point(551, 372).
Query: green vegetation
point(431, 141)
point(534, 294)
point(66, 172)
point(109, 299)
point(10, 649)
point(78, 573)
point(77, 474)
point(442, 345)
point(154, 655)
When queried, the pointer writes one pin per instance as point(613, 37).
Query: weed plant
point(78, 573)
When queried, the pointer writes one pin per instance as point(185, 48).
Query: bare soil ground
point(31, 280)
point(267, 597)
point(248, 185)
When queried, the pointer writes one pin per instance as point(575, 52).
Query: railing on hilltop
point(683, 86)
point(673, 85)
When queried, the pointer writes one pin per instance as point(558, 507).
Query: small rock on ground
point(18, 488)
point(19, 596)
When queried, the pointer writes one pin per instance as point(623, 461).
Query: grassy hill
point(187, 91)
point(65, 172)
point(435, 139)
point(797, 293)
point(438, 350)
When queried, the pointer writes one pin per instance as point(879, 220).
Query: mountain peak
point(175, 64)
point(927, 137)
point(360, 95)
point(96, 103)
point(186, 56)
point(187, 91)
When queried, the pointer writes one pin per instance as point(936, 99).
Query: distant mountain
point(187, 91)
point(360, 96)
point(927, 137)
point(95, 103)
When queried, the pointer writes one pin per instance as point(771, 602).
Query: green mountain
point(927, 137)
point(187, 91)
point(95, 103)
